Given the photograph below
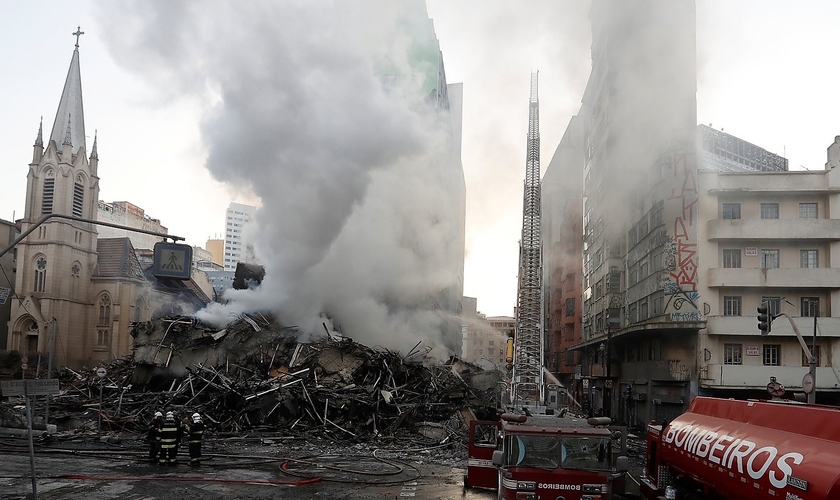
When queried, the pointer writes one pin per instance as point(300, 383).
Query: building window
point(769, 259)
point(732, 354)
point(808, 259)
point(615, 282)
point(78, 196)
point(104, 310)
point(773, 304)
point(732, 258)
point(731, 211)
point(810, 306)
point(570, 306)
point(656, 214)
point(102, 337)
point(769, 210)
point(40, 274)
point(815, 350)
point(47, 196)
point(771, 354)
point(807, 210)
point(731, 305)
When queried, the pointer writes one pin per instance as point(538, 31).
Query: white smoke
point(360, 207)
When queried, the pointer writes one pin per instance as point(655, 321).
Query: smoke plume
point(360, 211)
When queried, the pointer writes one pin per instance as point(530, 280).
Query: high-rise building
point(640, 272)
point(562, 206)
point(238, 247)
point(686, 230)
point(428, 77)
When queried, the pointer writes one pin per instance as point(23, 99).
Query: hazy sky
point(768, 73)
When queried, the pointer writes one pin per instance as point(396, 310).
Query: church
point(76, 295)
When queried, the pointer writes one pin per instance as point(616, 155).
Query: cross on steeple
point(78, 33)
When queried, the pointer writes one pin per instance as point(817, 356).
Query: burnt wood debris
point(257, 376)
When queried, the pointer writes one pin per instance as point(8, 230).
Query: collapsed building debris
point(254, 375)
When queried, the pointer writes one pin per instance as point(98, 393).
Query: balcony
point(783, 229)
point(824, 277)
point(748, 325)
point(757, 377)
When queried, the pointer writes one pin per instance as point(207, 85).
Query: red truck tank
point(733, 450)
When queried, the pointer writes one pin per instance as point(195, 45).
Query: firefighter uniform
point(153, 436)
point(170, 435)
point(195, 429)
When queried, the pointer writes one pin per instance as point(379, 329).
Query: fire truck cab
point(546, 457)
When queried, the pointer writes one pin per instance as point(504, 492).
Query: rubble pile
point(254, 375)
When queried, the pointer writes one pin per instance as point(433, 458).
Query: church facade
point(76, 295)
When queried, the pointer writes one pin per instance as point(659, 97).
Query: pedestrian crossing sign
point(172, 261)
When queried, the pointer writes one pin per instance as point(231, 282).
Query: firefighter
point(154, 436)
point(195, 430)
point(170, 434)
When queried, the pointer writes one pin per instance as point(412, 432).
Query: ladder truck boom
point(527, 388)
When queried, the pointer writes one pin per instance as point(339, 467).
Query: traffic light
point(765, 319)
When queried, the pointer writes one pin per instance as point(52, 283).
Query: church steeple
point(70, 108)
point(94, 156)
point(38, 148)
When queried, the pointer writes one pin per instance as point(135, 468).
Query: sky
point(161, 93)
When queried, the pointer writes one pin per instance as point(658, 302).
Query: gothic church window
point(48, 193)
point(40, 274)
point(78, 196)
point(103, 329)
point(75, 271)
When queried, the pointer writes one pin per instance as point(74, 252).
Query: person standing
point(195, 429)
point(153, 436)
point(170, 434)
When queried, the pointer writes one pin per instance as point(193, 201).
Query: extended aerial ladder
point(527, 388)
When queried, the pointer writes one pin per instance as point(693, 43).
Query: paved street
point(108, 474)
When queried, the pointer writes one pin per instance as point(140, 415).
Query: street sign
point(172, 260)
point(586, 383)
point(101, 372)
point(4, 294)
point(33, 387)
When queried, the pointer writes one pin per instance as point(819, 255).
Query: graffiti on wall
point(680, 282)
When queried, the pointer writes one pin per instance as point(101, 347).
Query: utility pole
point(809, 382)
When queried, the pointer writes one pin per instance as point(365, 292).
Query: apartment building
point(238, 247)
point(639, 276)
point(771, 238)
point(562, 231)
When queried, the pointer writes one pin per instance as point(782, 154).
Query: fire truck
point(725, 449)
point(546, 457)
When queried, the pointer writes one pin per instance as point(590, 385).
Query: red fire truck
point(725, 449)
point(546, 457)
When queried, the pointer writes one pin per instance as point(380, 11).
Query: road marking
point(409, 489)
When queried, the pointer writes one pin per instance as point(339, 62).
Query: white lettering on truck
point(736, 453)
